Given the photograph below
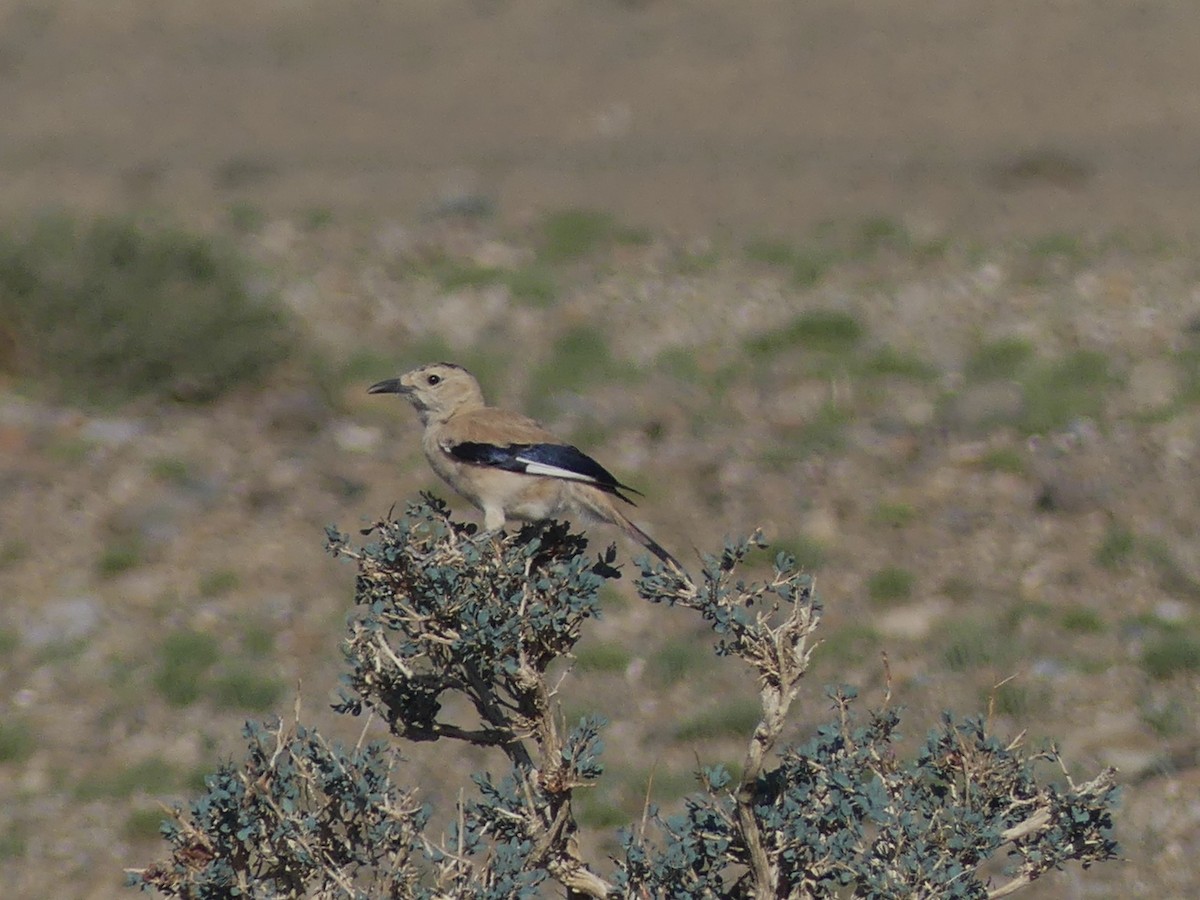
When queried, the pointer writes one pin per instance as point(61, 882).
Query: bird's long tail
point(602, 507)
point(650, 544)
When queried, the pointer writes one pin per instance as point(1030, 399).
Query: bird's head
point(437, 390)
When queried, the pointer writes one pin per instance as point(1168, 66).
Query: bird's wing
point(515, 443)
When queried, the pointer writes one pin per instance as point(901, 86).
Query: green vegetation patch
point(1172, 653)
point(172, 470)
point(192, 667)
point(218, 582)
point(834, 243)
point(1017, 699)
point(185, 658)
point(770, 252)
point(533, 285)
point(246, 218)
point(679, 659)
point(847, 645)
point(609, 656)
point(143, 824)
point(893, 515)
point(877, 233)
point(890, 584)
point(17, 740)
point(571, 234)
point(119, 557)
point(315, 218)
point(597, 812)
point(13, 841)
point(1082, 620)
point(970, 644)
point(112, 310)
point(243, 687)
point(999, 359)
point(579, 359)
point(257, 639)
point(455, 274)
point(151, 776)
point(1116, 547)
point(695, 261)
point(807, 553)
point(1058, 244)
point(734, 719)
point(1187, 363)
point(816, 331)
point(889, 362)
point(1004, 459)
point(1058, 392)
point(13, 551)
point(811, 265)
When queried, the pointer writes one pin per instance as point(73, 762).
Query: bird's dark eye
point(433, 379)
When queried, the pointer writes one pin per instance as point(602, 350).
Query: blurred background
point(913, 287)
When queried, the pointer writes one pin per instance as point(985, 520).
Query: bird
point(506, 464)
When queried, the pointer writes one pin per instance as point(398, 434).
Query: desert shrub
point(450, 620)
point(106, 311)
point(570, 234)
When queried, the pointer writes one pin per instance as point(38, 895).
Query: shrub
point(1171, 654)
point(1071, 388)
point(113, 310)
point(770, 252)
point(817, 330)
point(449, 620)
point(186, 658)
point(570, 234)
point(17, 740)
point(890, 584)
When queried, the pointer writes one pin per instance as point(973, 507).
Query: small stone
point(796, 405)
point(279, 237)
point(112, 432)
point(498, 255)
point(63, 621)
point(918, 412)
point(913, 621)
point(1153, 383)
point(394, 241)
point(354, 438)
point(822, 526)
point(1171, 611)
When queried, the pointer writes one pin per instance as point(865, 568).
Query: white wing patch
point(540, 468)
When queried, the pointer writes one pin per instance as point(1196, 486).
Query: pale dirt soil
point(979, 126)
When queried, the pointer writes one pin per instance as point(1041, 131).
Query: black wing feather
point(517, 458)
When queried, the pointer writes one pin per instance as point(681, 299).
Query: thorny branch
point(442, 611)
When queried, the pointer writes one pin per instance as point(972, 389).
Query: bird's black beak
point(390, 386)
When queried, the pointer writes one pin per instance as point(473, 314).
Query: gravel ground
point(893, 460)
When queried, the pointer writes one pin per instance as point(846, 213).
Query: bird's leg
point(494, 519)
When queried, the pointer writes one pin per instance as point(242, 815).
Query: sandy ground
point(758, 116)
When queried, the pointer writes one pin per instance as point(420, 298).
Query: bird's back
point(489, 425)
